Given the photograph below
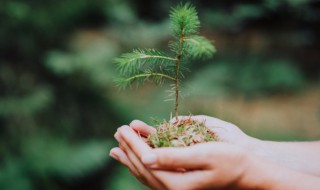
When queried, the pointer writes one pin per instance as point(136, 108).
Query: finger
point(134, 142)
point(194, 157)
point(117, 137)
point(118, 154)
point(129, 139)
point(142, 128)
point(140, 179)
point(143, 174)
point(191, 180)
point(122, 157)
point(134, 169)
point(163, 157)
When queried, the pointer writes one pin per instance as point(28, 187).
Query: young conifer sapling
point(152, 65)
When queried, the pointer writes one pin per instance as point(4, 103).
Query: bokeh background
point(59, 106)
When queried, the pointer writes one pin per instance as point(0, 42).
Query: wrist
point(264, 175)
point(250, 144)
point(257, 174)
point(250, 173)
point(258, 147)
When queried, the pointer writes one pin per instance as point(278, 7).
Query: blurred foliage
point(253, 77)
point(26, 105)
point(58, 105)
point(90, 63)
point(123, 179)
point(50, 161)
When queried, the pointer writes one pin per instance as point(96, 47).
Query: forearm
point(299, 156)
point(265, 175)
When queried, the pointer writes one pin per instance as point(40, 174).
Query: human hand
point(225, 131)
point(128, 157)
point(214, 165)
point(208, 165)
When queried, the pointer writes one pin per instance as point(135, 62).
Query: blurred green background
point(59, 106)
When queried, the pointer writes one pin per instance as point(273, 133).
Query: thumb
point(194, 157)
point(142, 128)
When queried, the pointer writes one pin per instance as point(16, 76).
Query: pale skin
point(237, 162)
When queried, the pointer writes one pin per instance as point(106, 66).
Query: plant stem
point(178, 60)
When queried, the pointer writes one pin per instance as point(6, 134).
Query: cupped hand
point(225, 131)
point(228, 164)
point(209, 165)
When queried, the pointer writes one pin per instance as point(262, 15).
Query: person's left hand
point(224, 131)
point(208, 165)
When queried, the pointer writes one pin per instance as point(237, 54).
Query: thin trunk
point(177, 74)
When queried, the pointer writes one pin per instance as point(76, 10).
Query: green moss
point(186, 132)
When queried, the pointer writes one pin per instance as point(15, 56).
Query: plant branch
point(149, 75)
point(152, 56)
point(157, 56)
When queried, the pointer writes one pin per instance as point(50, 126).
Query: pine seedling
point(153, 65)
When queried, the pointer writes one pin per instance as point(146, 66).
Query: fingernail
point(136, 123)
point(149, 159)
point(114, 156)
point(132, 122)
point(117, 137)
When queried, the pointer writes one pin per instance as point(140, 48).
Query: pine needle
point(199, 47)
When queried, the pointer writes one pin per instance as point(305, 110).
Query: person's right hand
point(226, 132)
point(299, 156)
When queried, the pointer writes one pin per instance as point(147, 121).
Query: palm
point(226, 132)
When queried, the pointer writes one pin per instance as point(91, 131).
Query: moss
point(181, 133)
